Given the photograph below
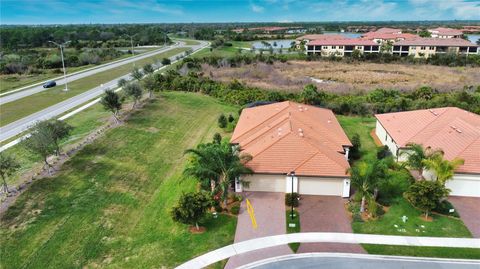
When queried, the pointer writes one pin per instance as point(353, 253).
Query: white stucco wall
point(460, 184)
point(303, 185)
point(385, 138)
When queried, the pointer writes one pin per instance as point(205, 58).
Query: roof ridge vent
point(433, 112)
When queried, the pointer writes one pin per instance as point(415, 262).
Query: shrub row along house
point(389, 40)
point(454, 131)
point(303, 148)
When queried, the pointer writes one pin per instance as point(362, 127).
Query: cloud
point(355, 10)
point(257, 8)
point(461, 9)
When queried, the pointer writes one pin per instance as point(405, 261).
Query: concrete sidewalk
point(348, 238)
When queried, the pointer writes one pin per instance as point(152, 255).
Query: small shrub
point(217, 138)
point(235, 209)
point(444, 208)
point(222, 121)
point(288, 199)
point(166, 61)
point(383, 152)
point(357, 217)
point(230, 118)
point(355, 149)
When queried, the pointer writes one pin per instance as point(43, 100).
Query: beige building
point(341, 47)
point(426, 47)
point(441, 32)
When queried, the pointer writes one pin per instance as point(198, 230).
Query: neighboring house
point(441, 32)
point(341, 47)
point(382, 38)
point(305, 39)
point(426, 47)
point(290, 137)
point(451, 129)
point(386, 30)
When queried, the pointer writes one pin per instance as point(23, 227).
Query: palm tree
point(365, 177)
point(443, 169)
point(416, 154)
point(217, 165)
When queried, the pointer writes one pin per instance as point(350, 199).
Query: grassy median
point(20, 108)
point(109, 206)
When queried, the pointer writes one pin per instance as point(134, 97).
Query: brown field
point(345, 77)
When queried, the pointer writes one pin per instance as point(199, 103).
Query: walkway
point(349, 238)
point(270, 215)
point(347, 261)
point(469, 210)
point(320, 213)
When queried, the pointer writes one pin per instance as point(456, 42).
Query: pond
point(346, 34)
point(276, 44)
point(473, 38)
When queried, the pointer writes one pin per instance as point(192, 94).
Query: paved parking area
point(269, 210)
point(469, 210)
point(325, 214)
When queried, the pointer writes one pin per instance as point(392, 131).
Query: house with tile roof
point(293, 145)
point(426, 47)
point(442, 32)
point(453, 130)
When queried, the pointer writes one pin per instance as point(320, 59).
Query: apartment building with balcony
point(426, 47)
point(341, 47)
point(442, 32)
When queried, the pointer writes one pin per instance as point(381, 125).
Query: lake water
point(473, 38)
point(279, 44)
point(347, 34)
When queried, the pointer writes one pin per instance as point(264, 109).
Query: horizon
point(29, 12)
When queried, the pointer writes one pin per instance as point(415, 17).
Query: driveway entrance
point(469, 210)
point(269, 210)
point(325, 214)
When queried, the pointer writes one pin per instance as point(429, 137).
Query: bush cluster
point(289, 200)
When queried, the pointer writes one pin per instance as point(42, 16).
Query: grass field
point(109, 206)
point(20, 108)
point(438, 252)
point(342, 77)
point(361, 126)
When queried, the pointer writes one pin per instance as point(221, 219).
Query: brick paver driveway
point(469, 210)
point(325, 214)
point(269, 210)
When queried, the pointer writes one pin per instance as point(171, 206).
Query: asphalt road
point(19, 126)
point(366, 262)
point(78, 75)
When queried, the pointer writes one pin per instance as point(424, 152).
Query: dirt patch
point(422, 217)
point(194, 230)
point(345, 77)
point(376, 140)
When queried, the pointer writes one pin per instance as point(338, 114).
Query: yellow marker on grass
point(252, 214)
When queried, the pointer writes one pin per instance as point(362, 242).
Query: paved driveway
point(269, 210)
point(469, 210)
point(325, 214)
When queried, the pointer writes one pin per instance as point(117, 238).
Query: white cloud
point(257, 8)
point(461, 9)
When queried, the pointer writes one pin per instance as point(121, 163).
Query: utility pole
point(131, 43)
point(62, 46)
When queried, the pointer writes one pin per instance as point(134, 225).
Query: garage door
point(320, 186)
point(464, 185)
point(270, 183)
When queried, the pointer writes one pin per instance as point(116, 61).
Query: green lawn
point(416, 225)
point(296, 229)
point(23, 107)
point(438, 252)
point(361, 126)
point(109, 206)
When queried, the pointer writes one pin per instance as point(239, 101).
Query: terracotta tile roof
point(454, 130)
point(388, 36)
point(386, 30)
point(320, 36)
point(446, 31)
point(287, 136)
point(452, 42)
point(343, 42)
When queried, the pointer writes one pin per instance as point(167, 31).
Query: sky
point(172, 11)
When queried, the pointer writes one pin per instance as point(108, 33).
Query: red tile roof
point(386, 30)
point(288, 136)
point(454, 130)
point(320, 36)
point(449, 42)
point(388, 36)
point(343, 42)
point(446, 31)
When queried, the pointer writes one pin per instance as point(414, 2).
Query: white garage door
point(270, 183)
point(464, 185)
point(320, 186)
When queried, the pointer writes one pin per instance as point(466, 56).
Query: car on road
point(49, 84)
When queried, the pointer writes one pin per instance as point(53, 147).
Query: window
point(310, 47)
point(334, 47)
point(340, 47)
point(413, 47)
point(318, 47)
point(325, 47)
point(386, 137)
point(422, 47)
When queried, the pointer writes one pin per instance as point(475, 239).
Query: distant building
point(441, 32)
point(386, 30)
point(341, 47)
point(382, 38)
point(426, 47)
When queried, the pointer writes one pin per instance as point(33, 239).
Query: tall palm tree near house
point(416, 155)
point(443, 169)
point(217, 166)
point(365, 178)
